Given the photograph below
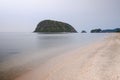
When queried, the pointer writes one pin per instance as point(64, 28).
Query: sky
point(24, 15)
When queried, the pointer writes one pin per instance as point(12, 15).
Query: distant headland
point(98, 30)
point(116, 30)
point(54, 26)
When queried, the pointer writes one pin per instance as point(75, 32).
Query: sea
point(19, 50)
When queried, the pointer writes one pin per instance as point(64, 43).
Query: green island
point(54, 26)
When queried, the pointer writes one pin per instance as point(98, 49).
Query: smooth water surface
point(17, 43)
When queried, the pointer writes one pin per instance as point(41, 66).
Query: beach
point(97, 61)
point(59, 39)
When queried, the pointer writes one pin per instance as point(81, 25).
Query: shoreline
point(53, 65)
point(97, 61)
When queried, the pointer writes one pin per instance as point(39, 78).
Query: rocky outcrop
point(54, 26)
point(83, 31)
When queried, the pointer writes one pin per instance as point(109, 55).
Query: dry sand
point(99, 61)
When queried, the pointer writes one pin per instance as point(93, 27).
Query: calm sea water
point(16, 47)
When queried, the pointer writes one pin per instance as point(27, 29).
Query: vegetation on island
point(96, 30)
point(116, 30)
point(54, 26)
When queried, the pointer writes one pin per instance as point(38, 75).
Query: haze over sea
point(32, 43)
point(18, 43)
point(19, 51)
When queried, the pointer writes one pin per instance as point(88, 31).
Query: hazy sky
point(24, 15)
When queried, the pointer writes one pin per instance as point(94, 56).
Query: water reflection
point(53, 40)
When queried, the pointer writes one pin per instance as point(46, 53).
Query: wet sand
point(98, 61)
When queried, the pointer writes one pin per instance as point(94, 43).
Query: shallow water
point(17, 43)
point(20, 52)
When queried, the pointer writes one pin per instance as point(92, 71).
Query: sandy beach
point(98, 61)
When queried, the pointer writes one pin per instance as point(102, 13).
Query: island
point(83, 31)
point(96, 30)
point(116, 30)
point(54, 26)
